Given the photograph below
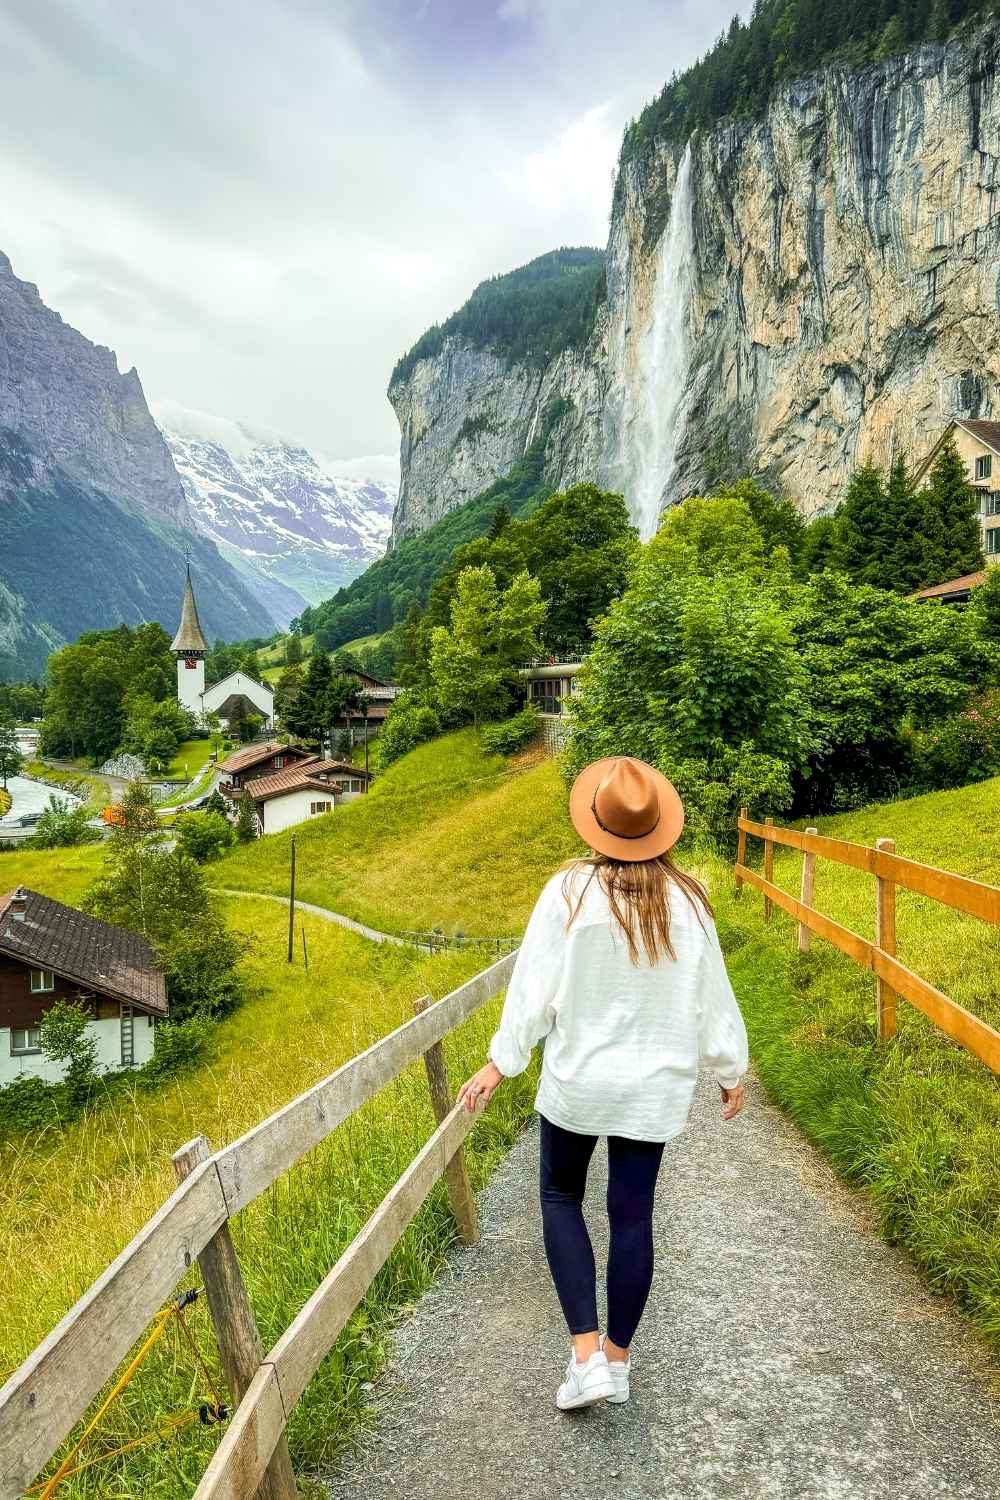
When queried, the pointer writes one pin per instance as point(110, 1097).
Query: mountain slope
point(295, 527)
point(92, 513)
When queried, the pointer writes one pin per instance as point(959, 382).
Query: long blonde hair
point(638, 893)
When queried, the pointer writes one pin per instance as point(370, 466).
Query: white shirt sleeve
point(528, 1013)
point(722, 1036)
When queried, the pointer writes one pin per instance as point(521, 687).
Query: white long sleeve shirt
point(623, 1041)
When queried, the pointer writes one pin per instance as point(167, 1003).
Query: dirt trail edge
point(787, 1353)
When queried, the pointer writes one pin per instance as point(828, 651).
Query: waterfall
point(653, 409)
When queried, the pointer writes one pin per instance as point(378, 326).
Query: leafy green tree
point(410, 722)
point(951, 525)
point(11, 759)
point(62, 826)
point(474, 661)
point(217, 803)
point(710, 538)
point(65, 1037)
point(779, 522)
point(579, 544)
point(204, 835)
point(246, 820)
point(293, 651)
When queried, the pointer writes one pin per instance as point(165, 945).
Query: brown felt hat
point(626, 809)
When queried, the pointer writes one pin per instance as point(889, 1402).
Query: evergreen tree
point(286, 691)
point(865, 540)
point(820, 547)
point(907, 564)
point(308, 713)
point(246, 820)
point(11, 758)
point(383, 611)
point(953, 542)
point(501, 520)
point(293, 651)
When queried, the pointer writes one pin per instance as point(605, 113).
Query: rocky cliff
point(94, 526)
point(787, 297)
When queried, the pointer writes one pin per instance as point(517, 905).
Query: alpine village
point(285, 751)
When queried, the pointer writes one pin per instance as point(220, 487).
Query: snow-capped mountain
point(296, 526)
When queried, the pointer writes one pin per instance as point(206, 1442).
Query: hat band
point(614, 832)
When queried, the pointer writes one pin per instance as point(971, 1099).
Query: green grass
point(189, 759)
point(62, 874)
point(70, 1200)
point(189, 793)
point(449, 837)
point(92, 789)
point(915, 1122)
point(274, 656)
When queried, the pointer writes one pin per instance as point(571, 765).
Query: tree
point(579, 544)
point(293, 651)
point(820, 547)
point(204, 835)
point(779, 522)
point(308, 712)
point(501, 520)
point(246, 820)
point(711, 538)
point(865, 538)
point(383, 611)
point(62, 826)
point(906, 565)
point(11, 759)
point(474, 661)
point(951, 525)
point(65, 1037)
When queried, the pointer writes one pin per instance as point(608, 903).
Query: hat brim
point(650, 845)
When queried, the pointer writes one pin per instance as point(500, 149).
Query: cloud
point(262, 203)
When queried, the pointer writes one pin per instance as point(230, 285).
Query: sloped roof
point(986, 432)
point(189, 636)
point(80, 948)
point(292, 779)
point(965, 584)
point(240, 760)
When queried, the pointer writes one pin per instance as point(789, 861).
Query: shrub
point(179, 1045)
point(960, 749)
point(61, 826)
point(511, 735)
point(27, 1103)
point(409, 723)
point(204, 835)
point(201, 962)
point(65, 1037)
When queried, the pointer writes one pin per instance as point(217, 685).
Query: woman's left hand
point(479, 1088)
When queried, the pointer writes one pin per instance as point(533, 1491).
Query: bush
point(62, 827)
point(201, 962)
point(409, 723)
point(65, 1037)
point(27, 1103)
point(179, 1045)
point(511, 735)
point(204, 835)
point(960, 749)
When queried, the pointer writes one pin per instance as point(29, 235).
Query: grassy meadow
point(453, 837)
point(470, 841)
point(189, 758)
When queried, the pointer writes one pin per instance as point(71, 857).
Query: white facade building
point(190, 649)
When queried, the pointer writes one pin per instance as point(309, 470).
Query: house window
point(984, 466)
point(42, 981)
point(993, 542)
point(279, 761)
point(320, 807)
point(991, 504)
point(26, 1039)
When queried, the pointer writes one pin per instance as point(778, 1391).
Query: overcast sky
point(262, 203)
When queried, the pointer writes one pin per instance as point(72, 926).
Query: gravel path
point(325, 914)
point(787, 1353)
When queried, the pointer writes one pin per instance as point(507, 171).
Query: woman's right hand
point(733, 1101)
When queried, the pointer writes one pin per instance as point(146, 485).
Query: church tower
point(189, 647)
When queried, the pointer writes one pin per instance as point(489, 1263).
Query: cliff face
point(94, 528)
point(788, 297)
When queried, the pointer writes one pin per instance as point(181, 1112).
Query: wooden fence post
point(768, 869)
point(741, 848)
point(885, 937)
point(239, 1339)
point(463, 1204)
point(806, 894)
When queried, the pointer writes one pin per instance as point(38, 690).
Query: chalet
point(379, 695)
point(306, 790)
point(51, 952)
point(259, 760)
point(235, 697)
point(955, 591)
point(978, 445)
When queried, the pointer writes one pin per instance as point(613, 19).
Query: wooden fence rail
point(890, 870)
point(46, 1396)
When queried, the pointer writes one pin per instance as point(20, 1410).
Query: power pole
point(291, 907)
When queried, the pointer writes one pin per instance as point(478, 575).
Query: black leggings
point(632, 1170)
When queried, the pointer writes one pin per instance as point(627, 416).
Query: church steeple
point(189, 640)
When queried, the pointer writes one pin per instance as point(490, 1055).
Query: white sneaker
point(585, 1383)
point(619, 1370)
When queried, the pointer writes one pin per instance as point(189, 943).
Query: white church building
point(190, 648)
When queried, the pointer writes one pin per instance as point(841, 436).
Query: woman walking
point(621, 972)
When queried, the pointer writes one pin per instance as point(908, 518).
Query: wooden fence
point(44, 1399)
point(890, 870)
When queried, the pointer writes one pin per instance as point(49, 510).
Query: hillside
point(453, 837)
point(89, 497)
